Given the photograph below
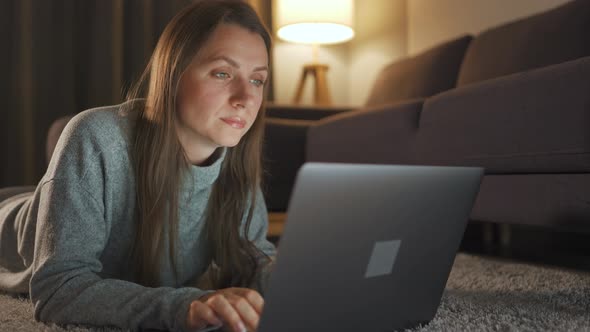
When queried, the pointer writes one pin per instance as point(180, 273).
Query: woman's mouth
point(235, 122)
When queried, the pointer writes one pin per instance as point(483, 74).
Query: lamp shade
point(315, 21)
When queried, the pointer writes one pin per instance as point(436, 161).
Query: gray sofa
point(514, 99)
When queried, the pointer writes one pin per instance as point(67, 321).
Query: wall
point(380, 39)
point(434, 21)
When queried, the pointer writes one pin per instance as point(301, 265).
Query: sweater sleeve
point(67, 286)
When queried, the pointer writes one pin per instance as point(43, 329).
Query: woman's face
point(220, 93)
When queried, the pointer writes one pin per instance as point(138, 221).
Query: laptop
point(367, 247)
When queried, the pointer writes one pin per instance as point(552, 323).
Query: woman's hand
point(237, 309)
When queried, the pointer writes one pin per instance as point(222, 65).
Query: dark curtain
point(64, 56)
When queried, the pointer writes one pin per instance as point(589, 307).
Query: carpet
point(482, 294)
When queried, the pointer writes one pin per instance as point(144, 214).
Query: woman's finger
point(228, 314)
point(200, 315)
point(246, 311)
point(253, 297)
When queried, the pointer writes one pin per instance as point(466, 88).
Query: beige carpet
point(483, 294)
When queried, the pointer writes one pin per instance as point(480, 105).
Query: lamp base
point(321, 93)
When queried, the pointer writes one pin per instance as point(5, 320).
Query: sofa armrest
point(8, 192)
point(382, 134)
point(303, 112)
point(537, 121)
point(53, 135)
point(284, 153)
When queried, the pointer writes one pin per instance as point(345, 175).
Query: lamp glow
point(315, 21)
point(320, 33)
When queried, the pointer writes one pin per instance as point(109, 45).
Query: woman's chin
point(230, 143)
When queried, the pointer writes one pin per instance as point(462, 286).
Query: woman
point(150, 214)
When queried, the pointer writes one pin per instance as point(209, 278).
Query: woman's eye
point(221, 75)
point(257, 82)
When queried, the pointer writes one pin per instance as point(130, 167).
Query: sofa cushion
point(531, 122)
point(555, 36)
point(423, 75)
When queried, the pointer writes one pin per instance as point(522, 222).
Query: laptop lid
point(367, 247)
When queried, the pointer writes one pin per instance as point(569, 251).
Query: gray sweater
point(71, 238)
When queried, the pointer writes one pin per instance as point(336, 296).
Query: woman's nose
point(241, 95)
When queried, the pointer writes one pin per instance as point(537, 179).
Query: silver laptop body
point(367, 247)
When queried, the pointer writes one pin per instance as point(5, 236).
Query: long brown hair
point(160, 161)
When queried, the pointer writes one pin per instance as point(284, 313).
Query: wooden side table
point(321, 93)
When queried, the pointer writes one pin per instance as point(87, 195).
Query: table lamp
point(315, 22)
